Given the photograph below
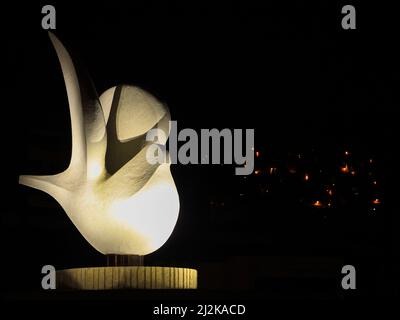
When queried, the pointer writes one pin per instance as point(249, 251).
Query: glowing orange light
point(375, 182)
point(272, 170)
point(330, 192)
point(345, 169)
point(376, 201)
point(346, 153)
point(353, 173)
point(317, 204)
point(257, 154)
point(306, 177)
point(257, 172)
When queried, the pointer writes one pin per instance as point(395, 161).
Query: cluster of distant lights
point(317, 203)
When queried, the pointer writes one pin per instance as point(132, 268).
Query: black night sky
point(322, 100)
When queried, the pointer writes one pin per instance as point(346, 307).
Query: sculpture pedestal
point(127, 277)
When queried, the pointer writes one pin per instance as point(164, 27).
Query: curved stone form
point(109, 278)
point(120, 203)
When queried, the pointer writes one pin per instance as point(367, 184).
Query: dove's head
point(121, 203)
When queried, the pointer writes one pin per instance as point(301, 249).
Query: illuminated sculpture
point(119, 202)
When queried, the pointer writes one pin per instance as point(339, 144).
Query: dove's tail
point(45, 184)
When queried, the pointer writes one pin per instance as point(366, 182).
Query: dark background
point(289, 71)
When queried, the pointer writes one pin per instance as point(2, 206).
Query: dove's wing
point(130, 113)
point(89, 139)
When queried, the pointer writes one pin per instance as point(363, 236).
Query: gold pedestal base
point(132, 277)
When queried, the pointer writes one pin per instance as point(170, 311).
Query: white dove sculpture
point(120, 203)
